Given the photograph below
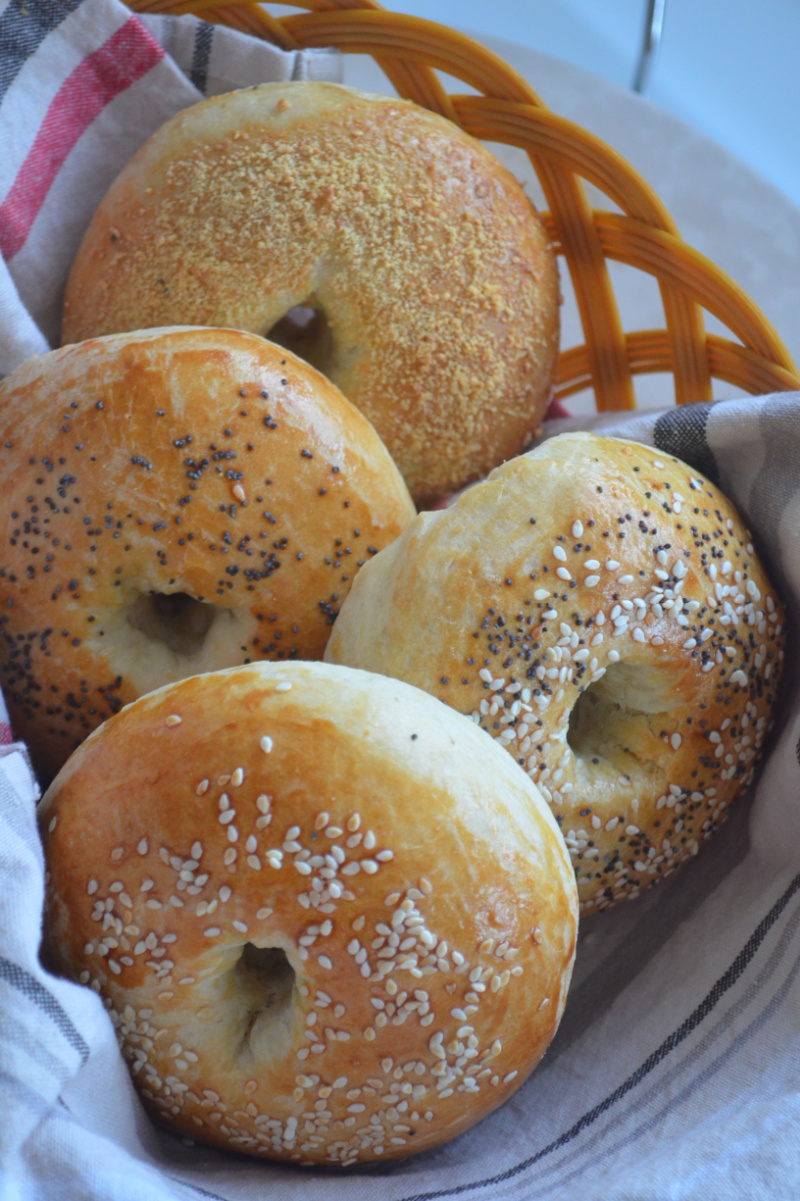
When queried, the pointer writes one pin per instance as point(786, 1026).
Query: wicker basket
point(506, 110)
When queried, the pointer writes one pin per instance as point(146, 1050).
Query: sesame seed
point(324, 961)
point(202, 788)
point(539, 594)
point(266, 744)
point(577, 529)
point(560, 554)
point(237, 777)
point(212, 931)
point(591, 581)
point(92, 887)
point(675, 740)
point(284, 686)
point(240, 926)
point(173, 720)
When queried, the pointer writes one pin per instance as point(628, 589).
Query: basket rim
point(411, 50)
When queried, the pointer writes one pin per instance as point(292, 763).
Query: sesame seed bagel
point(598, 608)
point(432, 280)
point(330, 924)
point(173, 501)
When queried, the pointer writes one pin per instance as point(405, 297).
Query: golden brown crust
point(410, 880)
point(174, 502)
point(598, 607)
point(435, 274)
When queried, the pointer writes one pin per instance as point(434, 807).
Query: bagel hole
point(179, 621)
point(305, 331)
point(264, 981)
point(599, 724)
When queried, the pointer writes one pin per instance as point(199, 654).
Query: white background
point(727, 67)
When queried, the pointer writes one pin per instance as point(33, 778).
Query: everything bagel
point(598, 607)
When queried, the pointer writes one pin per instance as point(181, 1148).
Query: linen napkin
point(83, 83)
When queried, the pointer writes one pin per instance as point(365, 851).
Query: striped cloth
point(83, 84)
point(676, 1070)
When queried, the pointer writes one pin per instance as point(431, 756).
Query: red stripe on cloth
point(127, 55)
point(6, 737)
point(556, 409)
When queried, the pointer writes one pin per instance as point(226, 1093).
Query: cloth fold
point(82, 87)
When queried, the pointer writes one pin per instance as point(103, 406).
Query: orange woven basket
point(410, 51)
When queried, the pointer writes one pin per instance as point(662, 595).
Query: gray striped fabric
point(83, 83)
point(676, 1072)
point(220, 60)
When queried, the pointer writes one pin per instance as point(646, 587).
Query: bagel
point(427, 275)
point(348, 948)
point(596, 606)
point(173, 502)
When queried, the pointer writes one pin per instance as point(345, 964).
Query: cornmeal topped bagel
point(173, 501)
point(330, 922)
point(597, 606)
point(429, 277)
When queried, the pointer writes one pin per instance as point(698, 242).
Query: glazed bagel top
point(173, 501)
point(330, 923)
point(434, 280)
point(598, 607)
